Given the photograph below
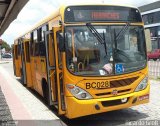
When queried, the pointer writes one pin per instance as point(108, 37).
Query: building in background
point(151, 18)
point(0, 52)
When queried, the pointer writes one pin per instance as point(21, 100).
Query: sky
point(35, 10)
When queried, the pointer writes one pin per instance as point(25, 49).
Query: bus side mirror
point(148, 40)
point(60, 40)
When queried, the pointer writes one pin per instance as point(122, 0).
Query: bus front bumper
point(77, 108)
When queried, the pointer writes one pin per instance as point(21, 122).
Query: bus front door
point(17, 59)
point(28, 64)
point(23, 67)
point(54, 72)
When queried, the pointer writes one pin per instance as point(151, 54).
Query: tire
point(45, 92)
point(22, 77)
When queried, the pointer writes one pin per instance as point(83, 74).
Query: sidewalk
point(23, 105)
point(5, 114)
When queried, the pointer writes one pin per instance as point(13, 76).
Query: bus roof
point(61, 10)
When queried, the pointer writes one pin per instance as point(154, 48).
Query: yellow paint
point(87, 107)
point(36, 71)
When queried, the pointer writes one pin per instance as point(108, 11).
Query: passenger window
point(36, 51)
point(42, 47)
point(16, 51)
point(27, 52)
point(19, 47)
point(32, 44)
point(43, 29)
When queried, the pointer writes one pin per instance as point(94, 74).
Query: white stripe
point(150, 11)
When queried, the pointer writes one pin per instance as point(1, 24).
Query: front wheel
point(22, 77)
point(46, 93)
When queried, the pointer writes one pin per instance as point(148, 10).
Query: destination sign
point(101, 14)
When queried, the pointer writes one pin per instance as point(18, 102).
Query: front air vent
point(122, 82)
point(109, 93)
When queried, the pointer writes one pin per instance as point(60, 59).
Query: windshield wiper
point(122, 31)
point(100, 39)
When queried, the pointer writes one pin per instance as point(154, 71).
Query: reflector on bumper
point(143, 97)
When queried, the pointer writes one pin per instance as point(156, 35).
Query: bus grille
point(116, 84)
point(123, 82)
point(110, 93)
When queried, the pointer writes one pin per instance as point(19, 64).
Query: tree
point(6, 46)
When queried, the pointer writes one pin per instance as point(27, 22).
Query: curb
point(4, 62)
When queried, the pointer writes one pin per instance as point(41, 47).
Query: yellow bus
point(86, 59)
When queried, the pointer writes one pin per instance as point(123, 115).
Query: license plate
point(98, 85)
point(143, 97)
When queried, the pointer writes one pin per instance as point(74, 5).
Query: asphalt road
point(147, 113)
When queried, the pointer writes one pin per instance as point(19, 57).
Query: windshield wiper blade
point(95, 33)
point(122, 31)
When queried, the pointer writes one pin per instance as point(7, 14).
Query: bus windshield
point(115, 53)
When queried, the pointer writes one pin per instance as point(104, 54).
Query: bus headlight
point(78, 92)
point(142, 85)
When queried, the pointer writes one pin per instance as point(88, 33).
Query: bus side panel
point(43, 72)
point(38, 75)
point(19, 66)
point(14, 58)
point(33, 73)
point(29, 75)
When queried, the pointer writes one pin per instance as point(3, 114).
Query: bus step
point(55, 103)
point(56, 106)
